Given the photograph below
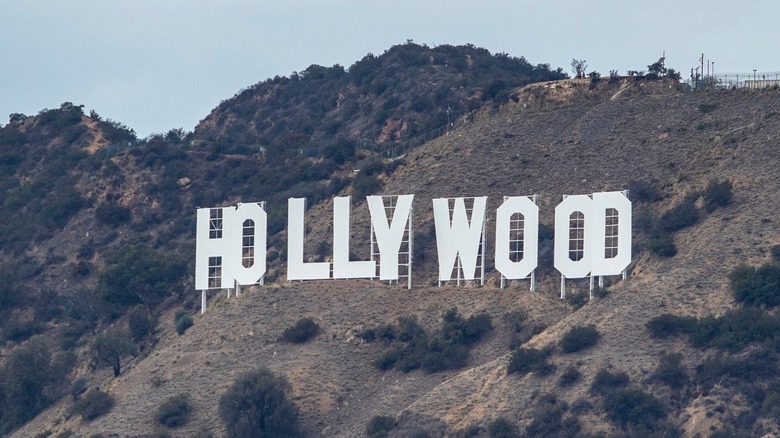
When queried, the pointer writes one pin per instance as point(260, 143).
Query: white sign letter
point(342, 267)
point(247, 234)
point(614, 258)
point(520, 269)
point(573, 236)
point(296, 268)
point(458, 239)
point(593, 236)
point(389, 236)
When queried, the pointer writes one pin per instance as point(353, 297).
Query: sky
point(156, 65)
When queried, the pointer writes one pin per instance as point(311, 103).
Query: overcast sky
point(155, 65)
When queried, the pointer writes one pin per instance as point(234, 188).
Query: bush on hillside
point(667, 325)
point(634, 408)
point(527, 360)
point(174, 411)
point(569, 377)
point(662, 245)
point(671, 372)
point(579, 338)
point(141, 323)
point(94, 404)
point(502, 428)
point(717, 194)
point(303, 330)
point(412, 348)
point(682, 215)
point(549, 419)
point(756, 286)
point(380, 426)
point(735, 329)
point(256, 404)
point(112, 214)
point(774, 251)
point(606, 382)
point(182, 320)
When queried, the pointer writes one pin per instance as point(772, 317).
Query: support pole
point(563, 287)
point(590, 292)
point(203, 301)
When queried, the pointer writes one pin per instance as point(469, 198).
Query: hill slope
point(677, 142)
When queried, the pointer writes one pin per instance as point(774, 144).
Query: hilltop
point(550, 138)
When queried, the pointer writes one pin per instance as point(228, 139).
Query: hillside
point(549, 139)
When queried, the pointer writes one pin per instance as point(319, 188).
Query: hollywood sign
point(592, 239)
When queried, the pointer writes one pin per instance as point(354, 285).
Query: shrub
point(707, 107)
point(457, 330)
point(363, 187)
point(680, 216)
point(579, 338)
point(174, 412)
point(140, 322)
point(606, 382)
point(303, 330)
point(735, 329)
point(183, 321)
point(380, 426)
point(548, 420)
point(670, 371)
point(577, 299)
point(662, 245)
point(526, 360)
point(78, 387)
point(257, 405)
point(775, 252)
point(20, 331)
point(516, 319)
point(756, 286)
point(569, 377)
point(412, 348)
point(717, 194)
point(112, 214)
point(94, 404)
point(635, 408)
point(667, 325)
point(502, 428)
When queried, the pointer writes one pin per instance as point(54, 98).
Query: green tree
point(110, 347)
point(141, 323)
point(29, 379)
point(138, 274)
point(256, 406)
point(578, 67)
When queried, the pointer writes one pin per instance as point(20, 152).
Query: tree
point(256, 406)
point(578, 67)
point(141, 323)
point(110, 347)
point(656, 69)
point(139, 274)
point(27, 376)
